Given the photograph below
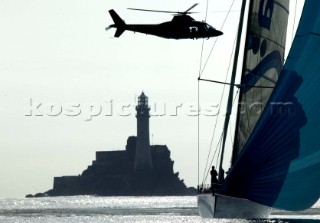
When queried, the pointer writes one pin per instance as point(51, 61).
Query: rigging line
point(230, 132)
point(201, 55)
point(235, 97)
point(221, 11)
point(222, 95)
point(198, 136)
point(198, 124)
point(231, 89)
point(215, 126)
point(205, 64)
point(205, 18)
point(219, 152)
point(294, 20)
point(216, 39)
point(198, 118)
point(218, 82)
point(233, 103)
point(237, 85)
point(205, 176)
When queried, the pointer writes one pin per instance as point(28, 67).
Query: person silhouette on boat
point(214, 179)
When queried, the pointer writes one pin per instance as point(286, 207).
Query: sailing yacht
point(276, 155)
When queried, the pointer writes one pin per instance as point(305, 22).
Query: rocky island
point(139, 170)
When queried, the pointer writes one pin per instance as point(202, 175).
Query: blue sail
point(279, 165)
point(301, 187)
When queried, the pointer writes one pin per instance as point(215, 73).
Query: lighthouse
point(143, 161)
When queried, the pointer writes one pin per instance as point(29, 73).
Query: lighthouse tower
point(143, 161)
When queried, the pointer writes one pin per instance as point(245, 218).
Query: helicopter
point(182, 26)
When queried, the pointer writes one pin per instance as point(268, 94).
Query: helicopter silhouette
point(182, 26)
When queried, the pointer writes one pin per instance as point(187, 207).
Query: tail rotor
point(119, 24)
point(109, 27)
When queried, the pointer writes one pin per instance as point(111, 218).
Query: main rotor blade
point(146, 10)
point(187, 11)
point(163, 11)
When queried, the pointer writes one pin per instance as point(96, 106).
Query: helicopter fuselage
point(176, 30)
point(181, 27)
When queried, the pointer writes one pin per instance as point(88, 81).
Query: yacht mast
point(232, 85)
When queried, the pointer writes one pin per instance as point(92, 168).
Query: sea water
point(82, 209)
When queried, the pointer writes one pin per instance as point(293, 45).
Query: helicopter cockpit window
point(208, 27)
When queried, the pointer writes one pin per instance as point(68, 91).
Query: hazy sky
point(57, 54)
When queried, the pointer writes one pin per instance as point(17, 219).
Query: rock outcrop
point(111, 174)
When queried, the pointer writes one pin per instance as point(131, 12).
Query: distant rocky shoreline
point(111, 174)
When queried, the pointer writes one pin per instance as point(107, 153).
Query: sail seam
point(281, 6)
point(275, 42)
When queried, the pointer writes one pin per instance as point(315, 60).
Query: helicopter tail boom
point(118, 23)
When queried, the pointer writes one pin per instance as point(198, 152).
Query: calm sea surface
point(124, 209)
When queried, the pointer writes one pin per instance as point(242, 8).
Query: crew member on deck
point(214, 179)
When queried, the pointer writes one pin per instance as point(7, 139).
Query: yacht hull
point(221, 206)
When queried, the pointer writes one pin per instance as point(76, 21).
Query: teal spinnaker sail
point(279, 165)
point(301, 187)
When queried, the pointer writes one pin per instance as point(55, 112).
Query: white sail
point(263, 61)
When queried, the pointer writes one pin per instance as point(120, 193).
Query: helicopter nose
point(218, 33)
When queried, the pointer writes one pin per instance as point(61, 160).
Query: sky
point(56, 55)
